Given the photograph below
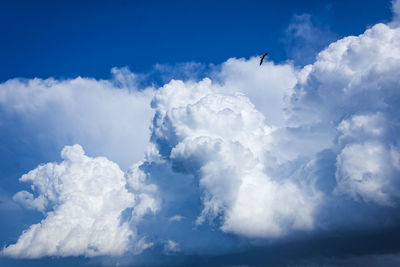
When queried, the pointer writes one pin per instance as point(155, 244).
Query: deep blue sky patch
point(87, 38)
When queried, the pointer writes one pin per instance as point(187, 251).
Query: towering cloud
point(221, 140)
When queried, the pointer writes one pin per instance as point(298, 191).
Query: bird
point(262, 58)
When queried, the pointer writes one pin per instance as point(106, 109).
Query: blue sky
point(146, 133)
point(87, 38)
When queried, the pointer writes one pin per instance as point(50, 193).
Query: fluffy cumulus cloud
point(221, 139)
point(351, 92)
point(256, 152)
point(83, 199)
point(259, 178)
point(108, 117)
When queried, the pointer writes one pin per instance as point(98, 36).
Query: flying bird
point(262, 58)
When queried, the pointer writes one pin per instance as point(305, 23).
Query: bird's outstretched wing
point(262, 58)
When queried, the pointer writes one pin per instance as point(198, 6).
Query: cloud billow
point(83, 199)
point(221, 139)
point(351, 90)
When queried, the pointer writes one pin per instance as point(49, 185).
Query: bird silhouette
point(262, 58)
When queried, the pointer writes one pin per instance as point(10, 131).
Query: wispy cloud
point(304, 39)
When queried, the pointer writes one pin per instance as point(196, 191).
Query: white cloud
point(108, 118)
point(266, 86)
point(221, 139)
point(259, 178)
point(350, 94)
point(176, 218)
point(29, 201)
point(365, 126)
point(171, 247)
point(364, 170)
point(83, 199)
